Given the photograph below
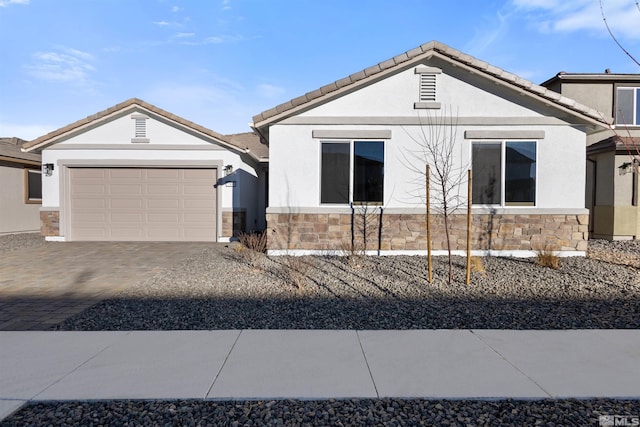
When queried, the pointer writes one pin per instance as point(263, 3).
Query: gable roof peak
point(424, 51)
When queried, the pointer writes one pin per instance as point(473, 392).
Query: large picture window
point(504, 173)
point(32, 186)
point(352, 172)
point(628, 106)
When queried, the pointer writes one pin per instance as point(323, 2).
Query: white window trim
point(351, 171)
point(503, 169)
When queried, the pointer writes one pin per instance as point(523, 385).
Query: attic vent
point(427, 90)
point(140, 130)
point(427, 87)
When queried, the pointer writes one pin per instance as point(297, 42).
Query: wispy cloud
point(226, 4)
point(62, 65)
point(183, 35)
point(175, 9)
point(551, 16)
point(488, 33)
point(269, 91)
point(5, 3)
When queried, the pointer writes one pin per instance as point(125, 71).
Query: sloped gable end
point(136, 127)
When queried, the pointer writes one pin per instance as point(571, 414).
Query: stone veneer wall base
point(406, 233)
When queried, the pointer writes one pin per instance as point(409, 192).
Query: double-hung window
point(628, 106)
point(504, 173)
point(352, 171)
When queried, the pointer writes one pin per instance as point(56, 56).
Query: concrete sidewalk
point(317, 364)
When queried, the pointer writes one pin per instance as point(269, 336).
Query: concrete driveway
point(43, 284)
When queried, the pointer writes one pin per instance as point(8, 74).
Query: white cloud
point(269, 91)
point(5, 3)
point(64, 65)
point(162, 23)
point(580, 15)
point(226, 4)
point(183, 35)
point(175, 9)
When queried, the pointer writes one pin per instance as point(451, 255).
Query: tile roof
point(12, 148)
point(251, 142)
point(243, 144)
point(426, 50)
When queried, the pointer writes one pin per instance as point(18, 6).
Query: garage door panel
point(207, 204)
point(164, 174)
point(91, 203)
point(118, 189)
point(142, 204)
point(127, 217)
point(90, 173)
point(125, 174)
point(130, 203)
point(163, 189)
point(89, 189)
point(163, 203)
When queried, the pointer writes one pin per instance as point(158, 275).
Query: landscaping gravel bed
point(388, 412)
point(224, 288)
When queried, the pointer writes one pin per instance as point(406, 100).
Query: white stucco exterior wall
point(110, 144)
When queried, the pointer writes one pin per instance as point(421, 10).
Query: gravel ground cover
point(222, 288)
point(388, 412)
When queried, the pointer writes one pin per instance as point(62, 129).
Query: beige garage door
point(142, 204)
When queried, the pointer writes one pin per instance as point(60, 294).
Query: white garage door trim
point(65, 176)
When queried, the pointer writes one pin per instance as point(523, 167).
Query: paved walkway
point(317, 364)
point(42, 285)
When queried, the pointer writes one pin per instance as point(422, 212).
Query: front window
point(352, 172)
point(627, 106)
point(33, 186)
point(504, 173)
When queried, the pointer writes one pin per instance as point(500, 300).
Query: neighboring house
point(21, 188)
point(612, 180)
point(347, 143)
point(137, 172)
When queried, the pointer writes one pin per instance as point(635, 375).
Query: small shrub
point(295, 270)
point(255, 241)
point(353, 253)
point(252, 247)
point(477, 266)
point(547, 257)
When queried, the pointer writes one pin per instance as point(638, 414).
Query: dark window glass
point(624, 106)
point(334, 185)
point(34, 185)
point(520, 173)
point(487, 173)
point(368, 171)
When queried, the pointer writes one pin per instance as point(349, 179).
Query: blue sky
point(219, 62)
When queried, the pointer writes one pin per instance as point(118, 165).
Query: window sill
point(427, 105)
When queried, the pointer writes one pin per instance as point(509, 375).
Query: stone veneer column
point(50, 223)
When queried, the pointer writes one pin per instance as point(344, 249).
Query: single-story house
point(21, 191)
point(136, 172)
point(341, 159)
point(613, 155)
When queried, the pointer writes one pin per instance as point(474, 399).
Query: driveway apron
point(43, 285)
